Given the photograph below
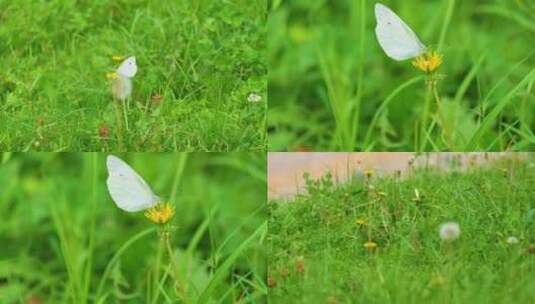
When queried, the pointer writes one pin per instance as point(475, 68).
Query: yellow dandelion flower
point(161, 213)
point(370, 245)
point(368, 173)
point(112, 75)
point(117, 58)
point(437, 281)
point(360, 222)
point(428, 62)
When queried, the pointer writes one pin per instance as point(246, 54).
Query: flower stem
point(176, 271)
point(156, 277)
point(425, 116)
point(120, 127)
point(441, 117)
point(125, 108)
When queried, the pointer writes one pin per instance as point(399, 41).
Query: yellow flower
point(117, 58)
point(368, 173)
point(370, 245)
point(361, 222)
point(428, 62)
point(112, 75)
point(161, 213)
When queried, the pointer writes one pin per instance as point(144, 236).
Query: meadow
point(64, 240)
point(332, 88)
point(376, 239)
point(199, 61)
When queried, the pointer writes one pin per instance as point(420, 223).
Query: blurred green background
point(198, 62)
point(60, 229)
point(328, 76)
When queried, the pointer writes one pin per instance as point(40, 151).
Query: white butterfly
point(122, 86)
point(127, 189)
point(395, 37)
point(128, 67)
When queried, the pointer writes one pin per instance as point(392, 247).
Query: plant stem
point(425, 117)
point(125, 108)
point(441, 117)
point(119, 119)
point(176, 270)
point(116, 257)
point(156, 277)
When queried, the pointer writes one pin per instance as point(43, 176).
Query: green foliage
point(331, 86)
point(316, 240)
point(63, 240)
point(203, 58)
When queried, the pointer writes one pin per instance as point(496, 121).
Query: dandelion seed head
point(512, 240)
point(121, 87)
point(161, 213)
point(449, 231)
point(253, 97)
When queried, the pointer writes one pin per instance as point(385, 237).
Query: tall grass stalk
point(118, 255)
point(384, 106)
point(446, 24)
point(93, 158)
point(360, 76)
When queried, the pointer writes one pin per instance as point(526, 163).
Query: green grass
point(63, 239)
point(332, 88)
point(316, 245)
point(202, 57)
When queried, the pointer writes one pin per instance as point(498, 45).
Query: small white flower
point(253, 97)
point(449, 231)
point(512, 240)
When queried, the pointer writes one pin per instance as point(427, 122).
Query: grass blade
point(222, 271)
point(491, 117)
point(385, 104)
point(118, 254)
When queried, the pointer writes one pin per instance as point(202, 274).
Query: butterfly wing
point(128, 67)
point(127, 189)
point(395, 37)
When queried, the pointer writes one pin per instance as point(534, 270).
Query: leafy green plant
point(376, 240)
point(198, 63)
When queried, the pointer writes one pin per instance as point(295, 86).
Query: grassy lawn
point(332, 88)
point(63, 239)
point(198, 62)
point(317, 241)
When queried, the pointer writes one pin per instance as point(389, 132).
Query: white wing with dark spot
point(127, 189)
point(395, 37)
point(128, 67)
